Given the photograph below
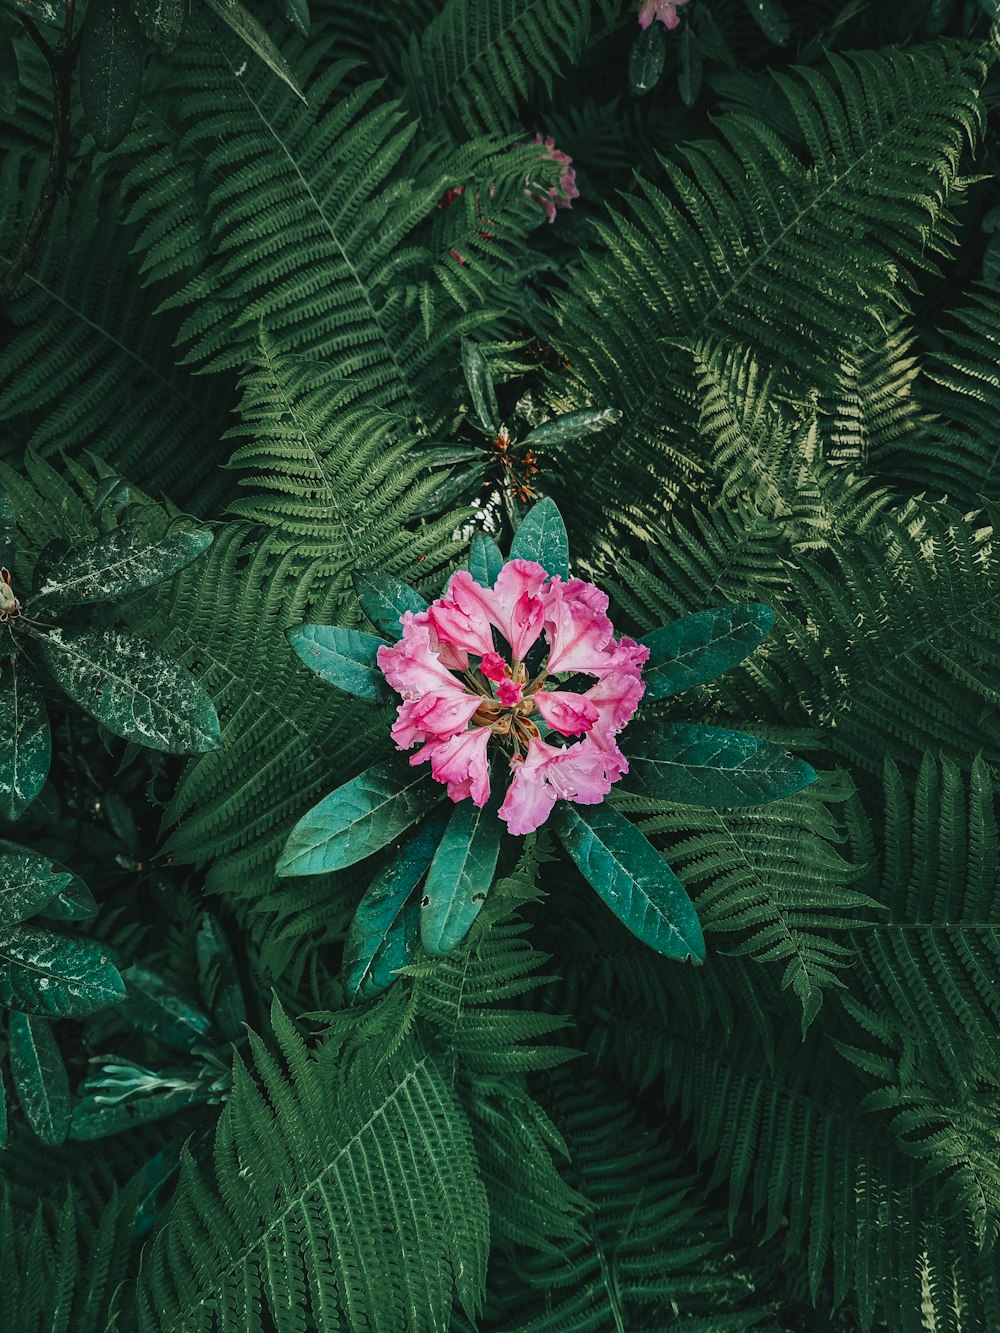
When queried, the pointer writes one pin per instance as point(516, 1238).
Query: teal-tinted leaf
point(296, 12)
point(150, 1183)
point(346, 658)
point(25, 739)
point(161, 20)
point(249, 30)
point(693, 765)
point(28, 883)
point(39, 1076)
point(771, 18)
point(571, 426)
point(632, 878)
point(647, 58)
point(542, 537)
point(156, 1007)
point(45, 973)
point(73, 903)
point(700, 647)
point(485, 560)
point(110, 70)
point(689, 78)
point(460, 877)
point(218, 978)
point(383, 933)
point(480, 382)
point(121, 562)
point(8, 530)
point(384, 599)
point(359, 818)
point(132, 688)
point(96, 1118)
point(111, 499)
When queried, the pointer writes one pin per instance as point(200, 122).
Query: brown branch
point(60, 61)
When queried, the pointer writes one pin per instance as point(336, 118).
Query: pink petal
point(569, 714)
point(461, 762)
point(411, 666)
point(518, 609)
point(616, 697)
point(464, 625)
point(434, 716)
point(509, 693)
point(583, 773)
point(576, 627)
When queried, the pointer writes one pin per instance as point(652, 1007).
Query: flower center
point(506, 714)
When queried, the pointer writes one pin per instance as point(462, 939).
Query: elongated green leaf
point(647, 58)
point(155, 1006)
point(120, 562)
point(218, 978)
point(347, 658)
point(480, 382)
point(39, 1075)
point(694, 765)
point(9, 76)
point(384, 598)
point(700, 647)
point(110, 70)
point(3, 1116)
point(249, 30)
point(8, 530)
point(95, 1118)
point(296, 12)
point(571, 426)
point(359, 818)
point(161, 20)
point(132, 688)
point(383, 933)
point(28, 883)
point(45, 973)
point(25, 739)
point(632, 878)
point(485, 560)
point(542, 537)
point(771, 18)
point(460, 877)
point(689, 78)
point(73, 903)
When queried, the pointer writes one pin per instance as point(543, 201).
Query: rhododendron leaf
point(25, 739)
point(384, 599)
point(45, 973)
point(28, 883)
point(75, 902)
point(542, 537)
point(480, 382)
point(693, 765)
point(689, 78)
point(460, 876)
point(219, 978)
point(346, 658)
point(249, 29)
point(383, 933)
point(296, 12)
point(631, 877)
point(8, 530)
point(132, 688)
point(700, 647)
point(358, 818)
point(771, 18)
point(39, 1076)
point(647, 58)
point(122, 561)
point(156, 1007)
point(485, 560)
point(571, 426)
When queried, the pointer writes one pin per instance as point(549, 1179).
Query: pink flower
point(559, 195)
point(664, 10)
point(459, 692)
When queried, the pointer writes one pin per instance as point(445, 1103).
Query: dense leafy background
point(782, 269)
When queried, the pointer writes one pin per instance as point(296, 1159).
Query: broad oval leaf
point(572, 426)
point(161, 20)
point(689, 78)
point(39, 1076)
point(693, 765)
point(647, 58)
point(485, 560)
point(45, 973)
point(73, 903)
point(251, 31)
point(700, 647)
point(122, 561)
point(771, 19)
point(632, 878)
point(480, 382)
point(110, 70)
point(156, 1007)
point(460, 877)
point(132, 688)
point(358, 818)
point(542, 537)
point(347, 658)
point(296, 12)
point(383, 932)
point(28, 883)
point(384, 598)
point(25, 739)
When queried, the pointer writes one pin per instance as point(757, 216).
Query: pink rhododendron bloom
point(664, 10)
point(559, 195)
point(461, 670)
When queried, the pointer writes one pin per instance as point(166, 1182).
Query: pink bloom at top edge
point(664, 10)
point(453, 717)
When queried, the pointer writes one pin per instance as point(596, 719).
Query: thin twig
point(60, 61)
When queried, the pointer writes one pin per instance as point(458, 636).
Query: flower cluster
point(559, 195)
point(459, 691)
point(664, 10)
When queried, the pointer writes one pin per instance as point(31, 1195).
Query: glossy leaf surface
point(359, 818)
point(250, 30)
point(45, 973)
point(39, 1076)
point(632, 878)
point(485, 560)
point(572, 426)
point(159, 1009)
point(384, 598)
point(347, 658)
point(542, 537)
point(25, 738)
point(480, 382)
point(647, 58)
point(110, 66)
point(700, 647)
point(460, 876)
point(161, 20)
point(28, 883)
